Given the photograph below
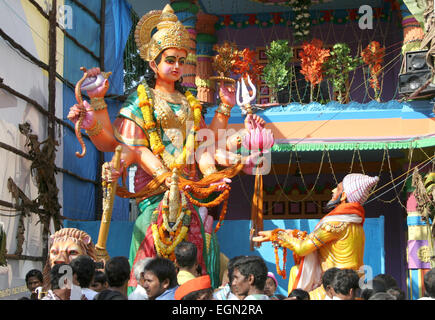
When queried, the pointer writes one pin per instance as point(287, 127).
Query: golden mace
point(107, 211)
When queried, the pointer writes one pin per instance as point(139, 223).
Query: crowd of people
point(246, 278)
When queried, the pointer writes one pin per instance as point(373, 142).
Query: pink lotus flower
point(258, 139)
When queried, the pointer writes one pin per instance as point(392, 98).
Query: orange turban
point(192, 285)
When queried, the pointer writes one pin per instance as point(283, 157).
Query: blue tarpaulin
point(79, 196)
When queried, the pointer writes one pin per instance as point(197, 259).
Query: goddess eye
point(181, 61)
point(170, 60)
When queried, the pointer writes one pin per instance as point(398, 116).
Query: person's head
point(117, 270)
point(186, 255)
point(249, 275)
point(299, 294)
point(382, 296)
point(429, 283)
point(270, 285)
point(59, 282)
point(159, 275)
point(195, 289)
point(388, 280)
point(376, 285)
point(83, 270)
point(100, 281)
point(327, 280)
point(345, 284)
point(230, 267)
point(138, 270)
point(33, 279)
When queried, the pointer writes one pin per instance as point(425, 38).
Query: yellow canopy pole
point(107, 211)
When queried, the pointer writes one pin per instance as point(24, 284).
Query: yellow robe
point(338, 244)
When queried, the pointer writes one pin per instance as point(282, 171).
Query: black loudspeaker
point(411, 81)
point(416, 61)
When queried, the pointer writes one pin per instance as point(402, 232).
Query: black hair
point(34, 273)
point(163, 269)
point(84, 267)
point(117, 270)
point(195, 294)
point(377, 285)
point(56, 275)
point(345, 280)
point(230, 266)
point(254, 265)
point(100, 277)
point(328, 277)
point(429, 283)
point(300, 294)
point(185, 253)
point(150, 75)
point(389, 280)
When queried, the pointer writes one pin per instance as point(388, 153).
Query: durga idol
point(157, 129)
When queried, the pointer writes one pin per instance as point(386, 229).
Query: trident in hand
point(245, 103)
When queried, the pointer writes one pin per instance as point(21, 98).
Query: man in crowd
point(117, 270)
point(186, 261)
point(249, 277)
point(83, 268)
point(34, 280)
point(139, 293)
point(160, 279)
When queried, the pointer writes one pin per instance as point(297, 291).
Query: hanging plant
point(277, 73)
point(302, 21)
point(246, 64)
point(373, 55)
point(337, 69)
point(313, 57)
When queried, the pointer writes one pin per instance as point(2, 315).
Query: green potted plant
point(337, 69)
point(277, 74)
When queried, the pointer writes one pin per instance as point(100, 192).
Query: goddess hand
point(222, 184)
point(253, 121)
point(110, 174)
point(89, 118)
point(99, 91)
point(227, 94)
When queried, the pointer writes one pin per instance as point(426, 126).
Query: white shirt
point(138, 294)
point(89, 293)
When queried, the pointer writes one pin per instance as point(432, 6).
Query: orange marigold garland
point(373, 55)
point(277, 244)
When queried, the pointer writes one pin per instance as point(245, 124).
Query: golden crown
point(170, 33)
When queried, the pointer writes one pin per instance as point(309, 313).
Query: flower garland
point(146, 106)
point(276, 245)
point(373, 55)
point(165, 246)
point(302, 22)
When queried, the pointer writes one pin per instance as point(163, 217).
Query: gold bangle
point(98, 104)
point(159, 171)
point(224, 109)
point(95, 130)
point(210, 170)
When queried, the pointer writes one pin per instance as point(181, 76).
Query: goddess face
point(169, 67)
point(64, 251)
